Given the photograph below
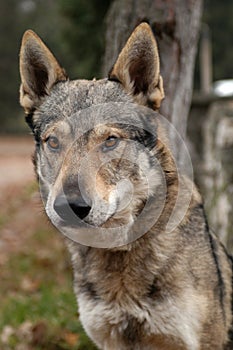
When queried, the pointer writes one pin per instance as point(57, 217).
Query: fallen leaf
point(30, 286)
point(24, 332)
point(70, 338)
point(39, 333)
point(7, 332)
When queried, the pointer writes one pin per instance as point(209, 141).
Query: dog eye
point(53, 143)
point(110, 143)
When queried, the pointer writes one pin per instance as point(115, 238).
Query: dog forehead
point(115, 114)
point(71, 96)
point(83, 104)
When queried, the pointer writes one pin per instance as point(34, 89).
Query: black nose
point(65, 208)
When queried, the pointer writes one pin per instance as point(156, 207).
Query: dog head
point(96, 146)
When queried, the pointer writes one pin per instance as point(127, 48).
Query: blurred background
point(74, 30)
point(37, 305)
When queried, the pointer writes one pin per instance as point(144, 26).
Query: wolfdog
point(110, 183)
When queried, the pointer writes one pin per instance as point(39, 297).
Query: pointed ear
point(138, 68)
point(39, 71)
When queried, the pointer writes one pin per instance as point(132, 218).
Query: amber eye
point(110, 143)
point(53, 143)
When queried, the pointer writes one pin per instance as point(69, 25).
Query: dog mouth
point(78, 215)
point(100, 224)
point(87, 225)
point(74, 210)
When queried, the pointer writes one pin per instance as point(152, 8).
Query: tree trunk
point(175, 24)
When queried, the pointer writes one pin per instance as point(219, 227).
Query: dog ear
point(39, 71)
point(137, 67)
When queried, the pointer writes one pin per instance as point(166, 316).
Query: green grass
point(38, 307)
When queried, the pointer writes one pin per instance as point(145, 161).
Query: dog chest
point(130, 324)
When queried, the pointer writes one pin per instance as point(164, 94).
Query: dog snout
point(66, 207)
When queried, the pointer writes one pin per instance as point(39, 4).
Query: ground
point(16, 174)
point(38, 308)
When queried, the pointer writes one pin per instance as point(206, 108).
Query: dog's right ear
point(137, 68)
point(39, 71)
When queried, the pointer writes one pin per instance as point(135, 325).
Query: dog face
point(99, 167)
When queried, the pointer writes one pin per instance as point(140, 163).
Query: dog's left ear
point(138, 69)
point(39, 71)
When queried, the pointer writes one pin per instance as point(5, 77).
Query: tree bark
point(175, 24)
